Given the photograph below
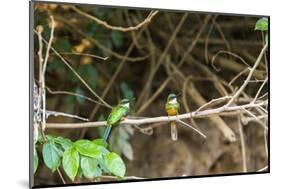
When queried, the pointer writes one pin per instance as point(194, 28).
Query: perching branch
point(205, 113)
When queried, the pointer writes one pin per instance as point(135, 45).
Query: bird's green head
point(125, 102)
point(172, 97)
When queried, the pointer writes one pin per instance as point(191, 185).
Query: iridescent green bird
point(172, 108)
point(117, 114)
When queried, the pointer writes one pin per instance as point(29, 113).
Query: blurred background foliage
point(146, 155)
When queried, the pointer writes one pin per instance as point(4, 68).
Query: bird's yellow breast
point(172, 111)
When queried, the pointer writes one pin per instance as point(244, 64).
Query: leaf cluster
point(82, 158)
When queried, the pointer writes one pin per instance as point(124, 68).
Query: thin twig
point(84, 54)
point(118, 28)
point(55, 113)
point(232, 54)
point(199, 132)
point(42, 74)
point(60, 174)
point(259, 91)
point(255, 117)
point(246, 120)
point(213, 101)
point(238, 75)
point(248, 78)
point(75, 94)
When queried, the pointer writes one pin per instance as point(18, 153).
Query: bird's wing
point(116, 114)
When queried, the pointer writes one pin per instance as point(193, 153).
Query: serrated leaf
point(127, 150)
point(262, 24)
point(64, 142)
point(88, 148)
point(70, 162)
point(35, 161)
point(90, 167)
point(115, 164)
point(51, 156)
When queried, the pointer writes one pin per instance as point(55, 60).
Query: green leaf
point(90, 167)
point(262, 24)
point(51, 156)
point(35, 161)
point(127, 150)
point(117, 38)
point(101, 145)
point(64, 142)
point(70, 162)
point(102, 165)
point(88, 148)
point(115, 164)
point(50, 137)
point(100, 142)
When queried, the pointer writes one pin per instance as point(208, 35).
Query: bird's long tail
point(174, 132)
point(106, 133)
